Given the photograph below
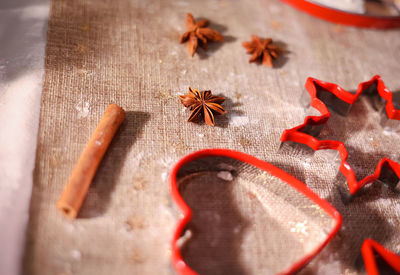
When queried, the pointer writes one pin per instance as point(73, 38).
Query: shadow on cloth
point(99, 194)
point(364, 211)
point(231, 110)
point(214, 46)
point(214, 246)
point(363, 217)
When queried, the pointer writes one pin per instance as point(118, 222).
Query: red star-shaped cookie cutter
point(300, 134)
point(367, 250)
point(181, 266)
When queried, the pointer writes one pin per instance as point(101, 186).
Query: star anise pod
point(197, 34)
point(203, 104)
point(262, 50)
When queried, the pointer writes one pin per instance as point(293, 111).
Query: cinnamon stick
point(79, 181)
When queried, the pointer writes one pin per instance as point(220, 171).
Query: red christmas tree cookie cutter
point(301, 133)
point(367, 250)
point(181, 266)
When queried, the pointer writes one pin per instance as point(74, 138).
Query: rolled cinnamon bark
point(79, 181)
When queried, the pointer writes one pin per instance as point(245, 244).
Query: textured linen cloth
point(127, 52)
point(23, 26)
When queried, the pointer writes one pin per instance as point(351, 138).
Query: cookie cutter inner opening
point(245, 220)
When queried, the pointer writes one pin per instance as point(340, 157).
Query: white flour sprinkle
point(186, 236)
point(83, 109)
point(237, 121)
point(76, 254)
point(69, 227)
point(274, 9)
point(255, 121)
point(164, 176)
point(225, 175)
point(225, 166)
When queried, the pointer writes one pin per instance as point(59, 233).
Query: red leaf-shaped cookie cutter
point(367, 250)
point(300, 133)
point(177, 260)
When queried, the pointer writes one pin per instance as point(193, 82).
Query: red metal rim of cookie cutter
point(345, 18)
point(177, 260)
point(367, 250)
point(296, 135)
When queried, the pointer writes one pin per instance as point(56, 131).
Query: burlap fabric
point(127, 52)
